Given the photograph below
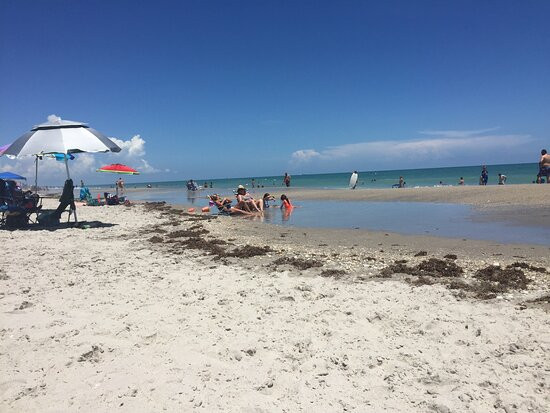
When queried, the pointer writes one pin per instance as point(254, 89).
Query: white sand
point(184, 332)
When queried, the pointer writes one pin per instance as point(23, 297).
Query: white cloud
point(133, 147)
point(54, 119)
point(452, 146)
point(305, 155)
point(145, 168)
point(458, 133)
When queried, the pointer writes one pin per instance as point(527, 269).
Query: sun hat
point(240, 187)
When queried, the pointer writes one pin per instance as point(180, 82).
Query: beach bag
point(49, 219)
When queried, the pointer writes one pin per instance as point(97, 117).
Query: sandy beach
point(149, 308)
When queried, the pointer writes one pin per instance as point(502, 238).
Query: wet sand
point(528, 195)
point(164, 310)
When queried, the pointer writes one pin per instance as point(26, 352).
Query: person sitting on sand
point(461, 181)
point(224, 206)
point(285, 202)
point(246, 202)
point(266, 198)
point(544, 165)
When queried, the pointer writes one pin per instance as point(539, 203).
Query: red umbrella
point(118, 168)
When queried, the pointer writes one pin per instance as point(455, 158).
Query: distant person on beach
point(501, 179)
point(484, 175)
point(461, 181)
point(285, 202)
point(253, 181)
point(205, 185)
point(286, 179)
point(119, 185)
point(544, 165)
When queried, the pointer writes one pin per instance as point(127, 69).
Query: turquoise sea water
point(516, 173)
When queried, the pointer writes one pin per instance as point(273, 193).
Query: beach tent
point(12, 176)
point(59, 136)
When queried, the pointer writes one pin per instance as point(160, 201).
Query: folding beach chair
point(17, 206)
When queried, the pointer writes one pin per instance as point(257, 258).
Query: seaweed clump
point(248, 251)
point(300, 263)
point(333, 273)
point(495, 280)
point(432, 267)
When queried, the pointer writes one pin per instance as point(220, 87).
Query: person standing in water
point(484, 175)
point(286, 179)
point(401, 182)
point(544, 165)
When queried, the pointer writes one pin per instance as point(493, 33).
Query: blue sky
point(241, 88)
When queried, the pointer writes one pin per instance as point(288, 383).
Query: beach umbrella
point(60, 136)
point(118, 168)
point(3, 149)
point(12, 176)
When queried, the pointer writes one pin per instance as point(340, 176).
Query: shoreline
point(479, 196)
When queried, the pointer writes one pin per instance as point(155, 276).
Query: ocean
point(516, 174)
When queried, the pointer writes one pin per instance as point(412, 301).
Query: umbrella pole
point(69, 177)
point(36, 174)
point(67, 167)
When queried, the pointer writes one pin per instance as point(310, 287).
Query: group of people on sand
point(246, 204)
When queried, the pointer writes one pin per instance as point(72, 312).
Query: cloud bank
point(438, 148)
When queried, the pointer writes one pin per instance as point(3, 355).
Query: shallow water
point(414, 218)
point(516, 173)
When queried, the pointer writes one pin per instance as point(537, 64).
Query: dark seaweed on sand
point(248, 251)
point(432, 267)
point(502, 279)
point(333, 273)
point(300, 263)
point(187, 233)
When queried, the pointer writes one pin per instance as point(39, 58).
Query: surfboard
point(353, 180)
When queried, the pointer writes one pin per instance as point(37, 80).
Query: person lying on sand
point(246, 202)
point(224, 206)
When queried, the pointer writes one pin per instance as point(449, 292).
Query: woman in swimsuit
point(224, 206)
point(246, 202)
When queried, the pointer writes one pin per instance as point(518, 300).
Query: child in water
point(285, 202)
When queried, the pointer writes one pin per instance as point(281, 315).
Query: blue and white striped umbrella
point(60, 136)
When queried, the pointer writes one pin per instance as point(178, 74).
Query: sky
point(213, 89)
